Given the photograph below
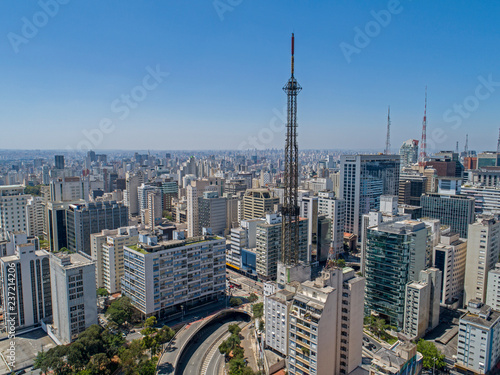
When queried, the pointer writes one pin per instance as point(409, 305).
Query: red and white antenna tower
point(423, 144)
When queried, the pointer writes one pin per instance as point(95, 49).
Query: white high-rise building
point(422, 304)
point(25, 282)
point(142, 195)
point(478, 348)
point(493, 290)
point(68, 189)
point(107, 252)
point(74, 297)
point(130, 195)
point(268, 244)
point(13, 208)
point(326, 324)
point(483, 247)
point(450, 256)
point(195, 191)
point(35, 214)
point(334, 209)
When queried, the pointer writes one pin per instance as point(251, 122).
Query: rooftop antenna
point(423, 144)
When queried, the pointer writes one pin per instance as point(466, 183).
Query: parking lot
point(27, 346)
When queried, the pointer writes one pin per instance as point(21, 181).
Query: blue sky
point(65, 72)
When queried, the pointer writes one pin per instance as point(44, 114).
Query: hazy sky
point(209, 74)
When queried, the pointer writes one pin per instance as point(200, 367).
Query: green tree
point(341, 263)
point(236, 366)
point(102, 292)
point(120, 310)
point(234, 329)
point(235, 301)
point(432, 356)
point(261, 326)
point(41, 362)
point(32, 190)
point(252, 297)
point(150, 322)
point(99, 364)
point(258, 310)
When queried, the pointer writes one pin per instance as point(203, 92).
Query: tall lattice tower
point(423, 144)
point(466, 147)
point(498, 142)
point(290, 210)
point(388, 138)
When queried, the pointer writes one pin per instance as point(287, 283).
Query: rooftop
point(164, 245)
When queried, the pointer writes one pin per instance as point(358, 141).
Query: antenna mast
point(388, 139)
point(423, 145)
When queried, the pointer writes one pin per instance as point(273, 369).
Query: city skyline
point(215, 70)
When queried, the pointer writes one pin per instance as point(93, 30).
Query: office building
point(488, 159)
point(457, 211)
point(408, 153)
point(153, 214)
point(74, 297)
point(244, 237)
point(30, 293)
point(363, 179)
point(35, 216)
point(257, 203)
point(166, 277)
point(487, 199)
point(446, 164)
point(326, 324)
point(130, 196)
point(277, 305)
point(493, 289)
point(422, 304)
point(483, 247)
point(69, 189)
point(84, 219)
point(268, 246)
point(449, 257)
point(212, 212)
point(388, 212)
point(107, 252)
point(59, 161)
point(478, 349)
point(487, 177)
point(170, 191)
point(334, 209)
point(142, 195)
point(411, 189)
point(194, 191)
point(395, 255)
point(13, 208)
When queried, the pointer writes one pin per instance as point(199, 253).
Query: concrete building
point(107, 252)
point(422, 304)
point(154, 211)
point(268, 245)
point(411, 189)
point(408, 153)
point(488, 159)
point(457, 211)
point(142, 195)
point(478, 349)
point(194, 191)
point(483, 248)
point(244, 237)
point(326, 324)
point(363, 179)
point(84, 219)
point(130, 196)
point(212, 212)
point(487, 200)
point(493, 290)
point(487, 177)
point(74, 297)
point(166, 277)
point(25, 282)
point(449, 257)
point(68, 189)
point(257, 203)
point(395, 255)
point(35, 216)
point(334, 209)
point(13, 208)
point(400, 359)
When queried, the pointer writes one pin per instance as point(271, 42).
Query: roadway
point(194, 356)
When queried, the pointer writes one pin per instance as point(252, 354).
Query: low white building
point(493, 289)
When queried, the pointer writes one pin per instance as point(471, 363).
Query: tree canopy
point(120, 310)
point(432, 356)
